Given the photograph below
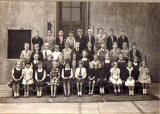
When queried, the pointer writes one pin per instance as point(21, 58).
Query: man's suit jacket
point(137, 53)
point(82, 41)
point(121, 40)
point(110, 42)
point(61, 44)
point(92, 40)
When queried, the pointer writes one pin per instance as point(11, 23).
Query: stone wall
point(140, 21)
point(32, 15)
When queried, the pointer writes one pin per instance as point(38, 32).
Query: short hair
point(26, 43)
point(28, 62)
point(134, 43)
point(80, 62)
point(56, 46)
point(40, 63)
point(71, 31)
point(90, 30)
point(100, 29)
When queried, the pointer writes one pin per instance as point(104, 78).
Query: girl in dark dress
point(91, 77)
point(101, 77)
point(37, 51)
point(90, 51)
point(40, 75)
point(136, 66)
point(85, 60)
point(17, 78)
point(122, 67)
point(67, 74)
point(107, 66)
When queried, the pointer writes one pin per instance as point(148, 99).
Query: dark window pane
point(66, 14)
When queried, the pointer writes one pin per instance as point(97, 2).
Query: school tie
point(80, 72)
point(45, 54)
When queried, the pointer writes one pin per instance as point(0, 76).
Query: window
point(16, 41)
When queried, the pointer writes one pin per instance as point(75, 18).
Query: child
point(67, 74)
point(90, 38)
point(46, 51)
point(37, 51)
point(61, 63)
point(102, 52)
point(78, 51)
point(130, 82)
point(71, 40)
point(35, 64)
point(27, 77)
point(74, 63)
point(91, 78)
point(122, 66)
point(114, 52)
point(136, 68)
point(56, 53)
point(67, 52)
point(80, 75)
point(144, 78)
point(40, 75)
point(17, 75)
point(101, 38)
point(85, 59)
point(101, 77)
point(95, 61)
point(26, 53)
point(54, 78)
point(107, 66)
point(125, 51)
point(48, 66)
point(115, 77)
point(90, 51)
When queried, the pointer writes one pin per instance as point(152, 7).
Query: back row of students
point(72, 59)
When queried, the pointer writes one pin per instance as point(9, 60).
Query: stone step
point(5, 90)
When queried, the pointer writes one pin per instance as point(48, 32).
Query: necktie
point(80, 72)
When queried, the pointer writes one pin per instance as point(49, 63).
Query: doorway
point(72, 15)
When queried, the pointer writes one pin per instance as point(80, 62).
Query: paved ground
point(127, 107)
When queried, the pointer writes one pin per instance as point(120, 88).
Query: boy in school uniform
point(102, 52)
point(78, 51)
point(81, 39)
point(46, 51)
point(123, 38)
point(80, 75)
point(110, 39)
point(90, 51)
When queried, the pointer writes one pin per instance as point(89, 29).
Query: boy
point(46, 51)
point(80, 75)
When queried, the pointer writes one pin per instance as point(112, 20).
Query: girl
point(74, 63)
point(37, 51)
point(85, 59)
point(26, 53)
point(115, 77)
point(17, 75)
point(101, 77)
point(54, 78)
point(67, 74)
point(144, 78)
point(102, 52)
point(107, 66)
point(95, 61)
point(114, 52)
point(27, 78)
point(90, 51)
point(40, 75)
point(35, 64)
point(125, 51)
point(91, 78)
point(136, 68)
point(46, 51)
point(122, 66)
point(130, 82)
point(67, 52)
point(80, 75)
point(48, 66)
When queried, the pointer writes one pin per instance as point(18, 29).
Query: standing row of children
point(85, 59)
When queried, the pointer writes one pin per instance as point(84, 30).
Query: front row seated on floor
point(91, 76)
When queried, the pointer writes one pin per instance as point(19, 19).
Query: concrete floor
point(129, 107)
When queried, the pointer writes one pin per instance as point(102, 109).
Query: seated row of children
point(47, 67)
